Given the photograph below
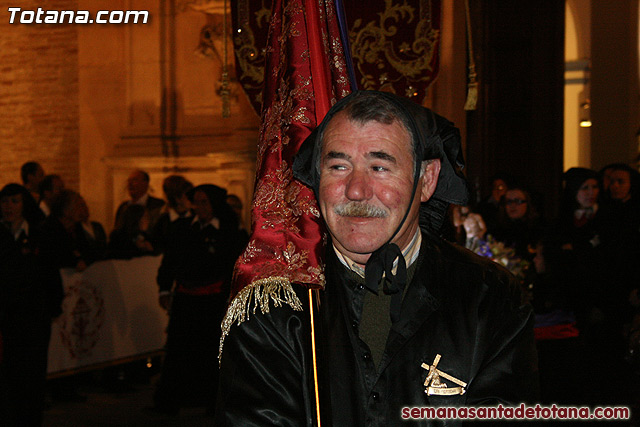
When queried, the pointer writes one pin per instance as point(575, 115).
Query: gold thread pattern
point(259, 294)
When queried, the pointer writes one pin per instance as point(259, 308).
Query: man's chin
point(359, 249)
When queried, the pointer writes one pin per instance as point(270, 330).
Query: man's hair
point(175, 186)
point(144, 174)
point(29, 168)
point(369, 106)
point(47, 183)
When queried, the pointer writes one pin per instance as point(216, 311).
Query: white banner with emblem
point(110, 313)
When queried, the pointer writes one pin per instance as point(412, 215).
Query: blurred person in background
point(489, 207)
point(199, 259)
point(175, 189)
point(131, 239)
point(518, 226)
point(25, 311)
point(138, 188)
point(32, 174)
point(49, 188)
point(92, 239)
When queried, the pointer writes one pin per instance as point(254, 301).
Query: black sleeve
point(508, 371)
point(264, 377)
point(171, 258)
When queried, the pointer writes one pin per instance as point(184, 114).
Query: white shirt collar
point(23, 227)
point(142, 201)
point(44, 208)
point(215, 222)
point(410, 253)
point(579, 213)
point(173, 215)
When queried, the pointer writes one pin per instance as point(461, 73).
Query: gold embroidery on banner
point(275, 290)
point(250, 252)
point(250, 58)
point(278, 197)
point(372, 43)
point(288, 262)
point(283, 113)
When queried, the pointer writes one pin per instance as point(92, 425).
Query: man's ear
point(429, 178)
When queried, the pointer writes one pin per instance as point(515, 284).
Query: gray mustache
point(361, 210)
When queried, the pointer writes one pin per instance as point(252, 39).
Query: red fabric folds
point(305, 74)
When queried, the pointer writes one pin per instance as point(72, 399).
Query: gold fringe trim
point(277, 290)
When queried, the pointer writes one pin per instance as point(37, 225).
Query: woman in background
point(518, 224)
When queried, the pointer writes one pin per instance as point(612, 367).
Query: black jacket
point(458, 305)
point(196, 257)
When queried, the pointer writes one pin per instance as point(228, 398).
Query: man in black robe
point(406, 319)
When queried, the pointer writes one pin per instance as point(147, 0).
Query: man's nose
point(358, 186)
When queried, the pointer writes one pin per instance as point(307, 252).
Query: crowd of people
point(581, 274)
point(45, 227)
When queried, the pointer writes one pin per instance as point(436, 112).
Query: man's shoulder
point(122, 205)
point(467, 271)
point(274, 307)
point(270, 300)
point(154, 203)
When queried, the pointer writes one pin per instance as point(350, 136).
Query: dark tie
point(381, 261)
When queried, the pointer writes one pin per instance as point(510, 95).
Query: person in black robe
point(194, 279)
point(25, 312)
point(405, 319)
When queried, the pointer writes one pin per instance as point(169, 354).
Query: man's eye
point(379, 169)
point(337, 167)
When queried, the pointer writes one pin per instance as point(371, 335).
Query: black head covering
point(575, 177)
point(433, 137)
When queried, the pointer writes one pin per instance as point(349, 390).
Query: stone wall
point(38, 95)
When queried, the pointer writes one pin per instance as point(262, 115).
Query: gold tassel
point(277, 290)
point(472, 85)
point(472, 91)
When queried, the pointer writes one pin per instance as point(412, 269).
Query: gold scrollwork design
point(372, 43)
point(250, 58)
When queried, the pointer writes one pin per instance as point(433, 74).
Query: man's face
point(57, 185)
point(11, 208)
point(182, 203)
point(137, 185)
point(202, 206)
point(620, 187)
point(37, 177)
point(366, 178)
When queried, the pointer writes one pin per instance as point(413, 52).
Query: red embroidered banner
point(395, 45)
point(306, 74)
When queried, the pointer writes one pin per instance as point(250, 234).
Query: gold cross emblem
point(436, 387)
